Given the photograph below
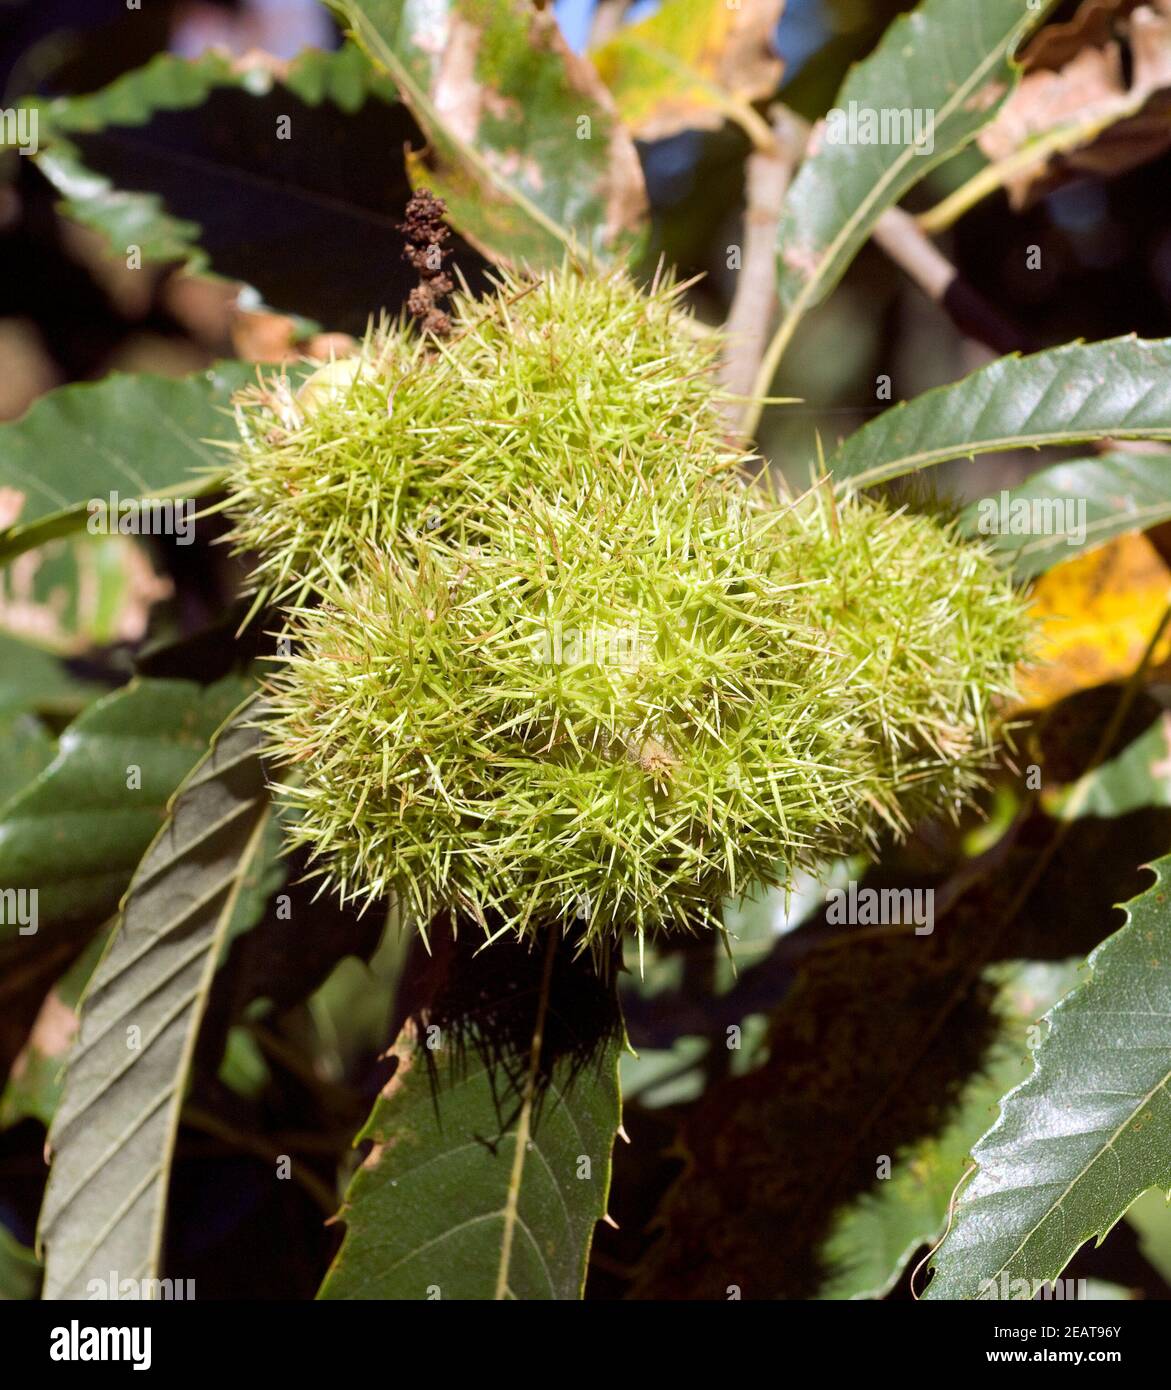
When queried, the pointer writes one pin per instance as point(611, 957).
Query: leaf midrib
point(206, 975)
point(524, 1125)
point(928, 457)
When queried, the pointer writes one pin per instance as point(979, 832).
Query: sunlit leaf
point(526, 147)
point(691, 65)
point(1087, 1133)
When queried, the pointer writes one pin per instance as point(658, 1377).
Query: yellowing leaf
point(1097, 613)
point(693, 64)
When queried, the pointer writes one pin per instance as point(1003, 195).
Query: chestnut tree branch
point(767, 175)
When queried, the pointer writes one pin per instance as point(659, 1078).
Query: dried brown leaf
point(1083, 115)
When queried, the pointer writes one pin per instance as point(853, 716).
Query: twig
point(525, 1120)
point(754, 303)
point(902, 237)
point(989, 180)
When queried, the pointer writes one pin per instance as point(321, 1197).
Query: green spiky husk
point(561, 662)
point(580, 378)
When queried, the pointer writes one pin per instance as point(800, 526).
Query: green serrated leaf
point(478, 1188)
point(1112, 494)
point(1068, 395)
point(139, 436)
point(949, 59)
point(526, 147)
point(169, 83)
point(114, 1131)
point(30, 748)
point(874, 1236)
point(76, 834)
point(1087, 1133)
point(34, 1085)
point(264, 876)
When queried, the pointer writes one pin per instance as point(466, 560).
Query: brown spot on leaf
point(801, 260)
point(257, 60)
point(501, 107)
point(374, 1157)
point(405, 1050)
point(488, 192)
point(985, 97)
